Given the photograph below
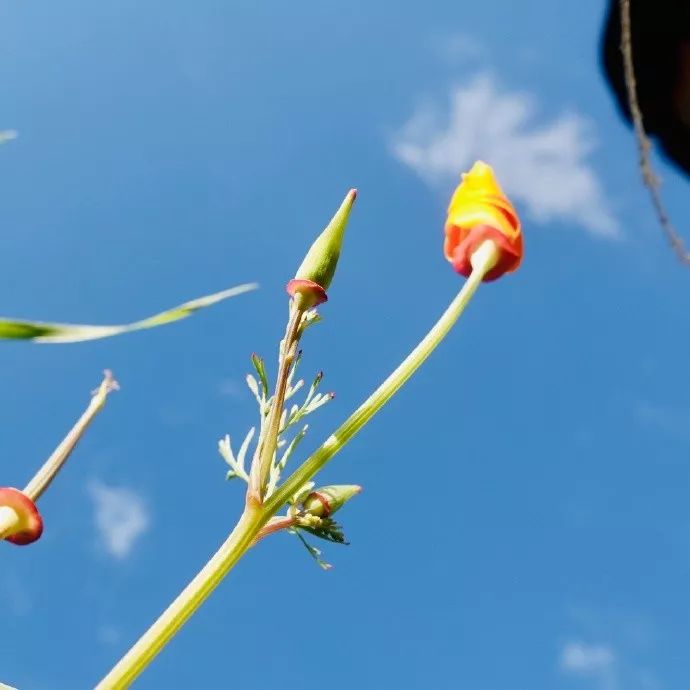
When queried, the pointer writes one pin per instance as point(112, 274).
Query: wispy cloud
point(542, 165)
point(602, 668)
point(8, 135)
point(121, 517)
point(108, 635)
point(597, 662)
point(458, 47)
point(670, 421)
point(231, 388)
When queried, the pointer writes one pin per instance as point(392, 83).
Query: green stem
point(254, 519)
point(483, 260)
point(275, 524)
point(187, 602)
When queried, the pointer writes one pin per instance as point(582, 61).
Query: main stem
point(187, 602)
point(255, 517)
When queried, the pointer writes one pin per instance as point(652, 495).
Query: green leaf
point(329, 530)
point(310, 318)
point(236, 463)
point(293, 444)
point(261, 372)
point(313, 551)
point(42, 332)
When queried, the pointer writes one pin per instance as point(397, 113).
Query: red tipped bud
point(311, 293)
point(327, 500)
point(27, 527)
point(316, 272)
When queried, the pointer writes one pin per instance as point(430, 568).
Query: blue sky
point(525, 521)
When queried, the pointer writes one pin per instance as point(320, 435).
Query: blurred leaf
point(42, 332)
point(253, 386)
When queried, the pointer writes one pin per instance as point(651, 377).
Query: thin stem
point(255, 518)
point(274, 525)
point(482, 261)
point(43, 478)
point(187, 602)
point(261, 465)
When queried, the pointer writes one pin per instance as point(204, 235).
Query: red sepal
point(31, 522)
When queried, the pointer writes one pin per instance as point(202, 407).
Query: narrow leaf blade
point(44, 332)
point(260, 368)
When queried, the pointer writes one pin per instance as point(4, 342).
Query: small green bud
point(328, 499)
point(316, 272)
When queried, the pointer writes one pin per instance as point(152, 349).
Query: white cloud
point(121, 517)
point(231, 388)
point(671, 421)
point(8, 135)
point(542, 166)
point(592, 661)
point(459, 47)
point(578, 657)
point(108, 635)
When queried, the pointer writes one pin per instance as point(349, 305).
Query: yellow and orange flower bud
point(479, 211)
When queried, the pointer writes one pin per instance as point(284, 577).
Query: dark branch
point(649, 177)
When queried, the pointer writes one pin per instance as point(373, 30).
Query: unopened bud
point(316, 272)
point(22, 523)
point(325, 501)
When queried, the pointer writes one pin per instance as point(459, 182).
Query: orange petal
point(480, 210)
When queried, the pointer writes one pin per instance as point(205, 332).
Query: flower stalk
point(44, 477)
point(20, 521)
point(256, 520)
point(483, 260)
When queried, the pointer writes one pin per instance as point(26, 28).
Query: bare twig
point(54, 463)
point(649, 176)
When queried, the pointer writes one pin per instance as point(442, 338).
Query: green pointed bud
point(316, 272)
point(326, 500)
